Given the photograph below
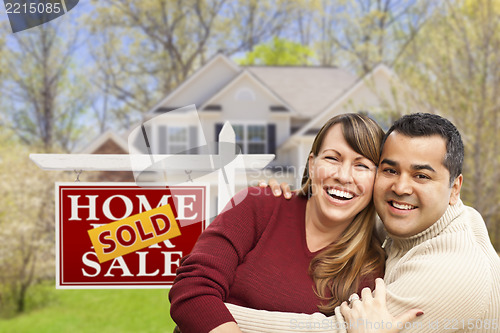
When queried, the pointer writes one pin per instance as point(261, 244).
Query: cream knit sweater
point(451, 271)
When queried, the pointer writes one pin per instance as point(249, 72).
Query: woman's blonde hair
point(338, 270)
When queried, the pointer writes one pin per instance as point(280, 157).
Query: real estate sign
point(120, 235)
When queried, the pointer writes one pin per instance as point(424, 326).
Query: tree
point(44, 104)
point(279, 52)
point(144, 50)
point(172, 37)
point(362, 33)
point(26, 224)
point(247, 23)
point(454, 69)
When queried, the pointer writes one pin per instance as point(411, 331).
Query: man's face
point(412, 188)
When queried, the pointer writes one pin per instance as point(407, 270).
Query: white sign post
point(123, 162)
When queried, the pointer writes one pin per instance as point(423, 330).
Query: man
point(439, 256)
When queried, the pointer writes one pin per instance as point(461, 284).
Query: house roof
point(196, 76)
point(111, 140)
point(308, 90)
point(316, 122)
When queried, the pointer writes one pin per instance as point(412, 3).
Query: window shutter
point(193, 140)
point(162, 139)
point(271, 138)
point(218, 128)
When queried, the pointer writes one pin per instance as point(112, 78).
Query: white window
point(177, 140)
point(252, 139)
point(173, 139)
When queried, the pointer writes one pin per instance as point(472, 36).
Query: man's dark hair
point(427, 124)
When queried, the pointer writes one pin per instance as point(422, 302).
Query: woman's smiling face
point(342, 179)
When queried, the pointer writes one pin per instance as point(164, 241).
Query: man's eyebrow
point(413, 166)
point(390, 162)
point(422, 167)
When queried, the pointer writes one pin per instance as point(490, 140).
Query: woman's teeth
point(340, 194)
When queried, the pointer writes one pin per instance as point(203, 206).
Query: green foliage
point(278, 52)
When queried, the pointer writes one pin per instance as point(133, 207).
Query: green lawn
point(132, 310)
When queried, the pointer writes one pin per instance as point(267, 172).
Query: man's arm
point(438, 286)
point(450, 287)
point(261, 321)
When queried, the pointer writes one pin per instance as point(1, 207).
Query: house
point(272, 109)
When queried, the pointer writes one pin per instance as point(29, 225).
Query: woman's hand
point(370, 314)
point(277, 188)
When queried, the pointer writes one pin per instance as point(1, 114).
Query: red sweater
point(253, 255)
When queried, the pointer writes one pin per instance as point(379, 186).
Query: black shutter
point(218, 128)
point(271, 138)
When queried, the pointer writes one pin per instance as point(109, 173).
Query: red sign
point(81, 207)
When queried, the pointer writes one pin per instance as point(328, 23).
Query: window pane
point(256, 148)
point(177, 134)
point(177, 139)
point(256, 133)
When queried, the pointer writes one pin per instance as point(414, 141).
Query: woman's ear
point(310, 164)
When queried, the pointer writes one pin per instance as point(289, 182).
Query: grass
point(103, 311)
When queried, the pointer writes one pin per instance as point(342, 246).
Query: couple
point(308, 254)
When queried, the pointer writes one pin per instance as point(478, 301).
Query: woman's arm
point(206, 274)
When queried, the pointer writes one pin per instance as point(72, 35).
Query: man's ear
point(455, 189)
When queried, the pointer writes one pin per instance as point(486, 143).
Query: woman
point(301, 255)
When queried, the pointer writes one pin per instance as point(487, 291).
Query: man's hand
point(277, 188)
point(229, 327)
point(370, 314)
